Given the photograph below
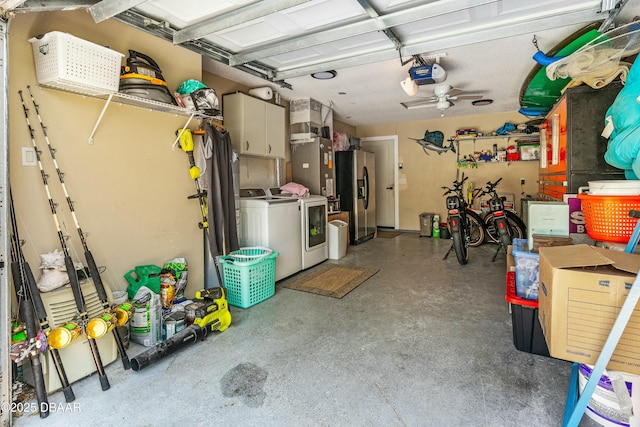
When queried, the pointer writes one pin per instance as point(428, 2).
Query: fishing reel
point(103, 324)
point(95, 328)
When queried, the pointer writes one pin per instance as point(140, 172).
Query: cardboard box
point(582, 289)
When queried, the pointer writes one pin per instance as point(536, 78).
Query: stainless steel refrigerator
point(312, 166)
point(356, 186)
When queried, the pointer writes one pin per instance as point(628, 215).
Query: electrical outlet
point(521, 181)
point(29, 157)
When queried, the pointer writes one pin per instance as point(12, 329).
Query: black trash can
point(444, 231)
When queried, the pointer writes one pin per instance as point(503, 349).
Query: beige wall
point(339, 126)
point(424, 175)
point(130, 188)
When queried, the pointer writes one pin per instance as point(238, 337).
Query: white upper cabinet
point(256, 127)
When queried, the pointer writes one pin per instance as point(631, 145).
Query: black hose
point(188, 336)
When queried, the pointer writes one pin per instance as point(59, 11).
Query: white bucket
point(629, 187)
point(604, 406)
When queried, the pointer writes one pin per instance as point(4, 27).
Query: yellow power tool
point(214, 313)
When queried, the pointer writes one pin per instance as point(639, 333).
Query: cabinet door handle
point(247, 145)
point(269, 149)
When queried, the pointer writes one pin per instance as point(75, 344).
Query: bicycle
point(466, 226)
point(502, 225)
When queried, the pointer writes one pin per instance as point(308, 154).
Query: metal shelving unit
point(519, 137)
point(126, 99)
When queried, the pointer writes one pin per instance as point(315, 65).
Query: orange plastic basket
point(607, 217)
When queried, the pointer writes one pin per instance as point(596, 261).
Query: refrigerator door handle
point(366, 187)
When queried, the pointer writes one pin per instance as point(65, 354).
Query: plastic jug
point(143, 275)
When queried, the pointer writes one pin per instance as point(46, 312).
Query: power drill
point(213, 313)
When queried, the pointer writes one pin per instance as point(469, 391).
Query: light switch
point(29, 157)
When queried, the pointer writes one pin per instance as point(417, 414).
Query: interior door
point(384, 149)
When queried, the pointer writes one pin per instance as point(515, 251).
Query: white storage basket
point(67, 62)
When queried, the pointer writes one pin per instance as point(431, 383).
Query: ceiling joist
point(109, 8)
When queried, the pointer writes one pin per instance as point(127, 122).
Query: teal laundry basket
point(249, 275)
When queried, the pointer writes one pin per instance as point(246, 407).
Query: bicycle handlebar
point(457, 186)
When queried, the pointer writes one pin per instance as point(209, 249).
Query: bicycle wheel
point(476, 229)
point(517, 229)
point(459, 246)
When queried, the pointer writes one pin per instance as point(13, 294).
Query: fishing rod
point(30, 288)
point(25, 312)
point(71, 270)
point(93, 268)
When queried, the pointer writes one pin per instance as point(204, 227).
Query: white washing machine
point(272, 223)
point(313, 226)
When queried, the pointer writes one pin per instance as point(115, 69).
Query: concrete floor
point(424, 342)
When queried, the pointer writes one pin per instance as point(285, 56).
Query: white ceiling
point(486, 45)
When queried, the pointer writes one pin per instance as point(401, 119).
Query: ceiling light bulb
point(409, 86)
point(443, 105)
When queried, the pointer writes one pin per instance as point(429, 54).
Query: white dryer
point(313, 226)
point(272, 223)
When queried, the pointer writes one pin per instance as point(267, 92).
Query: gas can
point(143, 275)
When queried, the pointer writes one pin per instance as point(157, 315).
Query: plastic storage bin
point(337, 238)
point(527, 332)
point(527, 270)
point(249, 275)
point(426, 224)
point(70, 63)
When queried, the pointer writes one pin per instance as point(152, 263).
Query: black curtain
point(223, 234)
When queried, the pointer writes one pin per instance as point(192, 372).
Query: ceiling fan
point(443, 97)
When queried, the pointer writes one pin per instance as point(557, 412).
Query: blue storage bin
point(527, 270)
